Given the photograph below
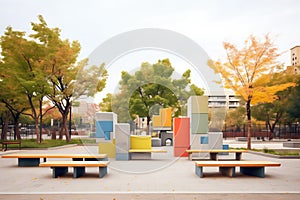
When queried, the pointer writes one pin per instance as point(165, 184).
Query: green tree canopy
point(150, 88)
point(44, 65)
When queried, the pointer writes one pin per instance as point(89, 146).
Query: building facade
point(295, 56)
point(227, 99)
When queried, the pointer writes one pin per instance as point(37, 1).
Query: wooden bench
point(213, 153)
point(143, 154)
point(60, 168)
point(5, 143)
point(34, 159)
point(253, 168)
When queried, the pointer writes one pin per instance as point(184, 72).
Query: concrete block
point(291, 144)
point(122, 135)
point(197, 104)
point(140, 142)
point(164, 136)
point(215, 140)
point(196, 144)
point(199, 123)
point(140, 156)
point(155, 142)
point(106, 116)
point(122, 156)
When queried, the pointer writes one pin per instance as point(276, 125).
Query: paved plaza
point(163, 177)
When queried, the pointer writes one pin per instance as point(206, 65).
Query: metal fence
point(282, 131)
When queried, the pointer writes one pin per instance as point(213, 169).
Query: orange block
point(181, 151)
point(156, 120)
point(181, 129)
point(166, 117)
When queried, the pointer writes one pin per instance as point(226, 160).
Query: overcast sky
point(207, 22)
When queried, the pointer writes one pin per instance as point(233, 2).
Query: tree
point(276, 111)
point(247, 71)
point(64, 73)
point(42, 65)
point(24, 71)
point(293, 105)
point(151, 87)
point(105, 105)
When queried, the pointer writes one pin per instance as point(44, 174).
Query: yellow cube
point(140, 142)
point(107, 148)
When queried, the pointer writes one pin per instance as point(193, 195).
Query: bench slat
point(54, 156)
point(74, 164)
point(147, 151)
point(237, 164)
point(215, 151)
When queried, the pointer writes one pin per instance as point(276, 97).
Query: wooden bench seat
point(5, 143)
point(34, 159)
point(59, 168)
point(213, 153)
point(143, 154)
point(253, 168)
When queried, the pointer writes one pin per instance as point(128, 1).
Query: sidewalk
point(163, 177)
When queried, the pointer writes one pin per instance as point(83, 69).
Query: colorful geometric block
point(181, 151)
point(140, 142)
point(203, 140)
point(108, 148)
point(156, 121)
point(215, 140)
point(166, 117)
point(197, 104)
point(181, 127)
point(103, 129)
point(199, 123)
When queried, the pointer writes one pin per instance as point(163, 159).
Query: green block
point(199, 123)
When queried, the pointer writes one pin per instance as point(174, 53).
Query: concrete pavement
point(162, 177)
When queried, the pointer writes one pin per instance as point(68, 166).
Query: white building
point(220, 99)
point(295, 56)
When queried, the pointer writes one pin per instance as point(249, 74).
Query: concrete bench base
point(140, 156)
point(213, 153)
point(228, 168)
point(77, 171)
point(60, 168)
point(33, 160)
point(143, 154)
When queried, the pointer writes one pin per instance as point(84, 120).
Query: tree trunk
point(4, 131)
point(37, 132)
point(41, 119)
point(64, 128)
point(148, 122)
point(248, 108)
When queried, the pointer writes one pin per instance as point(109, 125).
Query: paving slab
point(163, 176)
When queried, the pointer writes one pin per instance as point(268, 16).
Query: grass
point(31, 143)
point(278, 152)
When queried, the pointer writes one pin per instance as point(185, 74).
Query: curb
point(273, 156)
point(61, 147)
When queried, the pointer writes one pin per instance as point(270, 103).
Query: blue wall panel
point(103, 129)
